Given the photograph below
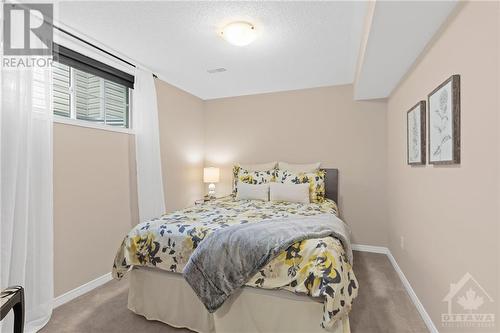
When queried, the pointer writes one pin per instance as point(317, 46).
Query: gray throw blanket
point(228, 258)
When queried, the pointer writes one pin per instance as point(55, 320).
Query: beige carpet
point(382, 306)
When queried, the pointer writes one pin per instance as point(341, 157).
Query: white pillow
point(259, 167)
point(252, 192)
point(289, 192)
point(298, 168)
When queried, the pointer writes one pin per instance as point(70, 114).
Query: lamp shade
point(211, 175)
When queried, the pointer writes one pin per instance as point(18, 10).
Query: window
point(86, 90)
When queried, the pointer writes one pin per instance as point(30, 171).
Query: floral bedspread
point(315, 267)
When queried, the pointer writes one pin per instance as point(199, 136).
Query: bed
point(307, 288)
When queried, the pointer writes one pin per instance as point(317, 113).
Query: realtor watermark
point(469, 305)
point(27, 35)
point(26, 62)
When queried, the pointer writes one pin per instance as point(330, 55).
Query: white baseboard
point(83, 289)
point(413, 296)
point(370, 248)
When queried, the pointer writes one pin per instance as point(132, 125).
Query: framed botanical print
point(444, 122)
point(415, 134)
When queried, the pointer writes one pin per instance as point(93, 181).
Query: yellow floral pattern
point(316, 182)
point(315, 267)
point(251, 177)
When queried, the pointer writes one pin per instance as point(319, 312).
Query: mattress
point(314, 267)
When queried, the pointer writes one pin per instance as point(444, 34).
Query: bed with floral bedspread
point(315, 267)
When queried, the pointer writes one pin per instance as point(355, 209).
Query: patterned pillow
point(316, 182)
point(251, 177)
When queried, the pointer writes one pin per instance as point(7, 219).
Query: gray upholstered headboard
point(332, 184)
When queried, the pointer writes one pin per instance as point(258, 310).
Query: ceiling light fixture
point(239, 33)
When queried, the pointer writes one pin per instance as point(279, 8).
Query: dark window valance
point(74, 59)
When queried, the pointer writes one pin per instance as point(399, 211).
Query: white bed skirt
point(166, 297)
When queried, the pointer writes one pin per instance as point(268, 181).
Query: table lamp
point(211, 176)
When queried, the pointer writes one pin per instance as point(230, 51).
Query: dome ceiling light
point(239, 33)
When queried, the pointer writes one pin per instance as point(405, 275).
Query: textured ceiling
point(301, 44)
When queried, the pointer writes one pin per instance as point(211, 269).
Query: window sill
point(83, 123)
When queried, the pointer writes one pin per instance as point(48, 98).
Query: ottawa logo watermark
point(469, 305)
point(27, 35)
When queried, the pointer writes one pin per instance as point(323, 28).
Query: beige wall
point(322, 124)
point(181, 144)
point(95, 193)
point(449, 214)
point(94, 202)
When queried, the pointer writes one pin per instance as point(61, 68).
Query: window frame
point(72, 118)
point(89, 124)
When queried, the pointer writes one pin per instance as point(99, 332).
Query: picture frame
point(444, 122)
point(415, 134)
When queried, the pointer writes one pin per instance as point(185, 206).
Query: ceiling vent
point(216, 70)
